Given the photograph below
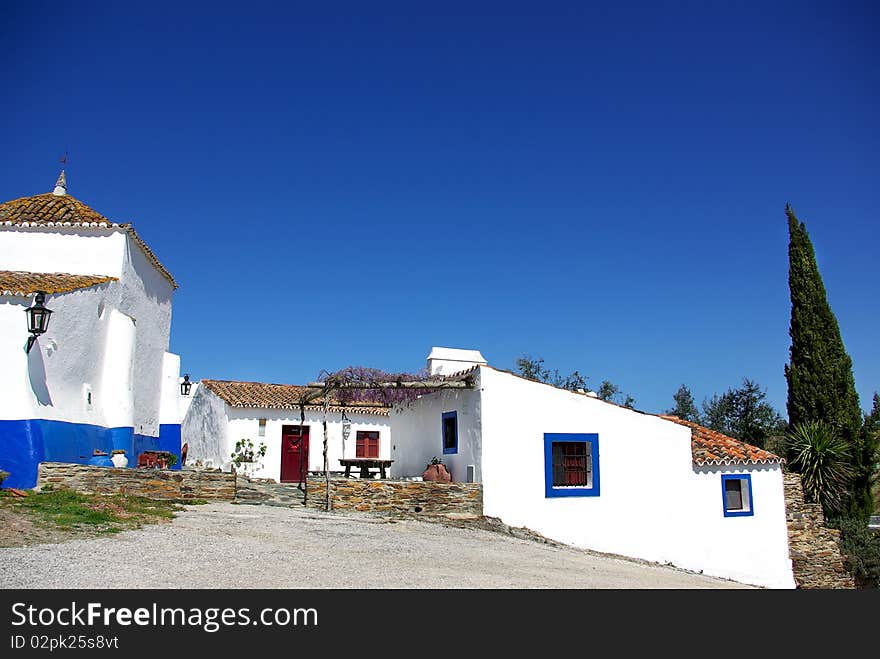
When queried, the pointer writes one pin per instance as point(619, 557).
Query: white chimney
point(445, 361)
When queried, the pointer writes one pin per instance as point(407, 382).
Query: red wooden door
point(294, 453)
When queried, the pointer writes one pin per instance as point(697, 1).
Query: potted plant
point(437, 471)
point(245, 457)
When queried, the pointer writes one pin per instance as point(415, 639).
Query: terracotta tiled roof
point(51, 210)
point(710, 447)
point(27, 283)
point(280, 396)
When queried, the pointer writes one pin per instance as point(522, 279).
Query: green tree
point(685, 408)
point(608, 390)
point(865, 465)
point(822, 458)
point(742, 413)
point(533, 369)
point(612, 393)
point(819, 374)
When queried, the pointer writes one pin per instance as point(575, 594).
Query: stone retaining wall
point(149, 483)
point(815, 553)
point(398, 497)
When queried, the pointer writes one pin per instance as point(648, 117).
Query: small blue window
point(571, 464)
point(737, 492)
point(450, 432)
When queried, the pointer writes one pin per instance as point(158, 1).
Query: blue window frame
point(736, 490)
point(571, 464)
point(449, 432)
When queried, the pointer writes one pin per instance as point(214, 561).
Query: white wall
point(652, 504)
point(77, 251)
point(204, 429)
point(116, 390)
point(244, 424)
point(751, 549)
point(52, 381)
point(147, 298)
point(77, 353)
point(170, 405)
point(417, 433)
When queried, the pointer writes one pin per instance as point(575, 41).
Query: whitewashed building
point(101, 376)
point(600, 476)
point(224, 412)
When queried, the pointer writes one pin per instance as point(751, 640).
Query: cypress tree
point(819, 374)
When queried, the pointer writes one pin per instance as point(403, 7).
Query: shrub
point(821, 457)
point(860, 547)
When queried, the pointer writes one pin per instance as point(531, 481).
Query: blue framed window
point(737, 492)
point(571, 464)
point(450, 432)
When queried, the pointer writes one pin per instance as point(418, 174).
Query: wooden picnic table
point(365, 464)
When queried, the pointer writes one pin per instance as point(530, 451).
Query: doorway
point(294, 453)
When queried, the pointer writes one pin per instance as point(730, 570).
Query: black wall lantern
point(185, 386)
point(346, 426)
point(37, 318)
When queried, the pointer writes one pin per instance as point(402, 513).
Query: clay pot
point(437, 472)
point(119, 460)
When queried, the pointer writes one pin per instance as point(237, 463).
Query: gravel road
point(222, 545)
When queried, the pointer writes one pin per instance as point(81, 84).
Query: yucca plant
point(822, 458)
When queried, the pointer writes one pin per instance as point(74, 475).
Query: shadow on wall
point(37, 375)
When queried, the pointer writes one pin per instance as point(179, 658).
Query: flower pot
point(437, 472)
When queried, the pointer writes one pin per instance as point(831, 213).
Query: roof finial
point(61, 183)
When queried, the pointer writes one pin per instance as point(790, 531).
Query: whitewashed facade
point(101, 376)
point(649, 497)
point(223, 412)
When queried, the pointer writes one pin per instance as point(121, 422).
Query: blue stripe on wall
point(26, 443)
point(169, 440)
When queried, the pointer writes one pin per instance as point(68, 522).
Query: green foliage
point(533, 369)
point(245, 451)
point(860, 547)
point(863, 501)
point(68, 509)
point(608, 390)
point(820, 381)
point(821, 456)
point(685, 408)
point(742, 413)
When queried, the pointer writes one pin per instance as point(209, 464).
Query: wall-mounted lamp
point(346, 426)
point(37, 318)
point(185, 386)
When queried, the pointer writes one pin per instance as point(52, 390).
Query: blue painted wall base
point(26, 443)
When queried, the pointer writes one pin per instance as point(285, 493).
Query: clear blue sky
point(598, 184)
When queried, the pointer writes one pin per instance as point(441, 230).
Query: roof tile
point(280, 396)
point(51, 210)
point(15, 282)
point(710, 447)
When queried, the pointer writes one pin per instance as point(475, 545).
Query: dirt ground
point(224, 545)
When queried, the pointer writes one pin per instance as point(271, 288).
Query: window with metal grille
point(367, 444)
point(450, 432)
point(571, 464)
point(737, 492)
point(261, 428)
